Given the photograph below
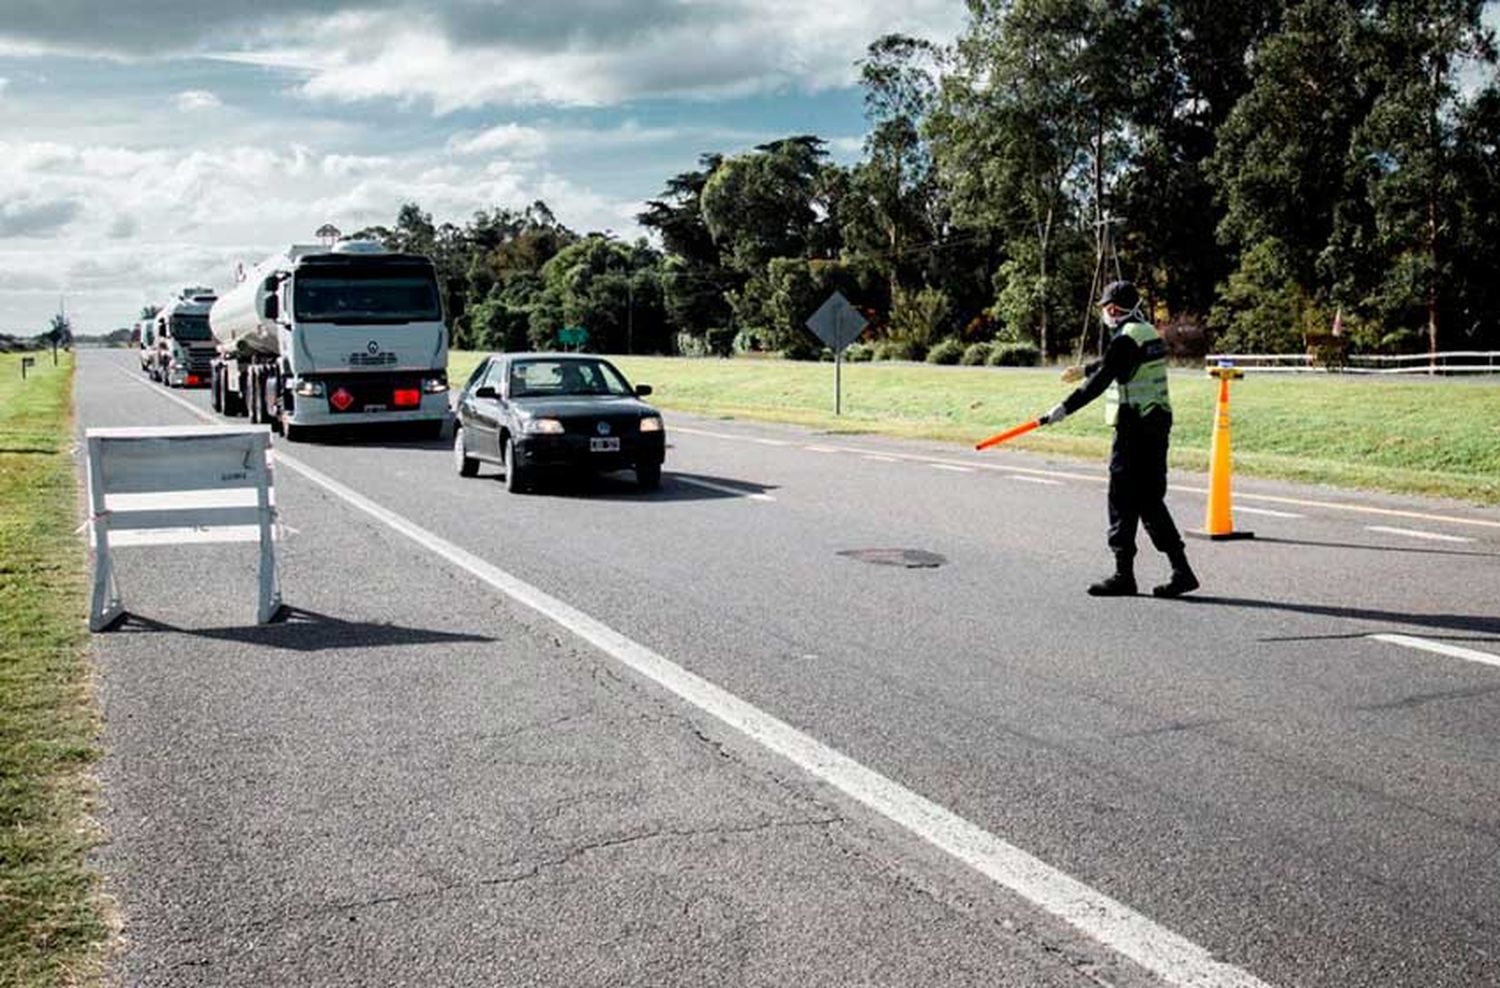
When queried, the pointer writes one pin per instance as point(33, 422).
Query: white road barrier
point(178, 484)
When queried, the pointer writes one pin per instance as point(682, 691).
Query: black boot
point(1183, 579)
point(1120, 583)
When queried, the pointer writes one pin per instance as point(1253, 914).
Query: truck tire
point(234, 401)
point(216, 389)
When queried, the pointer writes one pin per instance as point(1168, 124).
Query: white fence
point(1450, 362)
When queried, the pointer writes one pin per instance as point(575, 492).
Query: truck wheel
point(234, 401)
point(516, 479)
point(293, 433)
point(466, 464)
point(216, 389)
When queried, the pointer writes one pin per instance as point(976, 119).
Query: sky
point(151, 144)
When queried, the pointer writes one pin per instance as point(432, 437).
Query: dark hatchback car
point(535, 413)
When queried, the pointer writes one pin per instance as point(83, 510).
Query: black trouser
point(1138, 484)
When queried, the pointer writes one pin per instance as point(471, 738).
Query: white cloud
point(4, 84)
point(509, 138)
point(197, 99)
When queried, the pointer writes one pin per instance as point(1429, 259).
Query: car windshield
point(370, 295)
point(535, 378)
point(189, 328)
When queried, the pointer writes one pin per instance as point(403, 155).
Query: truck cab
point(185, 346)
point(145, 333)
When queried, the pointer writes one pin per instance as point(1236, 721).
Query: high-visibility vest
point(1146, 389)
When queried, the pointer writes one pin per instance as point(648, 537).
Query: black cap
point(1121, 293)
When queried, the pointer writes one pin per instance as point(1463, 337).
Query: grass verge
point(52, 930)
point(1435, 437)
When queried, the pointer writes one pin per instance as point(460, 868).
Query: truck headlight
point(651, 423)
point(434, 385)
point(309, 389)
point(546, 427)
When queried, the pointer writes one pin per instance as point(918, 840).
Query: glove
point(1056, 415)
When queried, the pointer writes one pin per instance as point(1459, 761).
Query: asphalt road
point(420, 780)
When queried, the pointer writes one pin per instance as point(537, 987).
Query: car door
point(485, 412)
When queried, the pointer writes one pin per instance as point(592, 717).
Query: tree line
point(1263, 169)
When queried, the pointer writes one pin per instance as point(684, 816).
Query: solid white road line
point(1266, 511)
point(1034, 480)
point(951, 466)
point(1169, 956)
point(881, 459)
point(1414, 534)
point(820, 449)
point(1440, 648)
point(720, 488)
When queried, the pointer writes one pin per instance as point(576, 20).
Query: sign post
point(837, 324)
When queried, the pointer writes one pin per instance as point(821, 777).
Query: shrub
point(946, 352)
point(1015, 355)
point(976, 355)
point(859, 353)
point(895, 350)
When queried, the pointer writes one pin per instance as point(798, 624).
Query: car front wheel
point(466, 464)
point(516, 479)
point(648, 476)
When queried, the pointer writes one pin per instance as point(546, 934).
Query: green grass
point(1436, 437)
point(52, 930)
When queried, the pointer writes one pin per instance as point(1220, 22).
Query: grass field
point(1416, 436)
point(51, 926)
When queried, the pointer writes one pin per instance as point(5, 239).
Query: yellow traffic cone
point(1218, 520)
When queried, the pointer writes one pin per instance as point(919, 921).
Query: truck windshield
point(355, 295)
point(190, 328)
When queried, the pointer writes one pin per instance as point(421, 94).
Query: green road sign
point(572, 336)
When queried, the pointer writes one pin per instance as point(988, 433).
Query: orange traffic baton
point(1008, 434)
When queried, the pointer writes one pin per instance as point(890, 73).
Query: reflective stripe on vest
point(1146, 389)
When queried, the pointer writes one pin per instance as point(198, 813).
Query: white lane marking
point(1180, 488)
point(881, 459)
point(1414, 534)
point(1267, 511)
point(1159, 950)
point(721, 488)
point(1034, 480)
point(951, 466)
point(1441, 648)
point(821, 449)
point(1170, 956)
point(771, 442)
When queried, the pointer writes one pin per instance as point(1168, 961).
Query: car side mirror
point(486, 391)
point(643, 389)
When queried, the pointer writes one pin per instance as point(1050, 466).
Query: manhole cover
point(910, 558)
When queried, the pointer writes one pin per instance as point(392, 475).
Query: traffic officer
point(1133, 378)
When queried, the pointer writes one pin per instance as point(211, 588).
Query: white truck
point(317, 336)
point(181, 348)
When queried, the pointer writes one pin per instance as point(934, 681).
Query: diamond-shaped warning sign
point(837, 323)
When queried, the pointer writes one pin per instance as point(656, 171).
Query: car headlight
point(546, 427)
point(310, 389)
point(651, 423)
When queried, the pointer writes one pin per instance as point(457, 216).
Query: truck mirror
point(270, 307)
point(270, 283)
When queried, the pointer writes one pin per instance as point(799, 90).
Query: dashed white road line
point(952, 467)
point(1179, 488)
point(1413, 533)
point(1168, 955)
point(821, 449)
point(881, 459)
point(1033, 480)
point(1267, 512)
point(1440, 648)
point(721, 488)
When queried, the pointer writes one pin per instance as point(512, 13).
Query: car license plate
point(604, 444)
